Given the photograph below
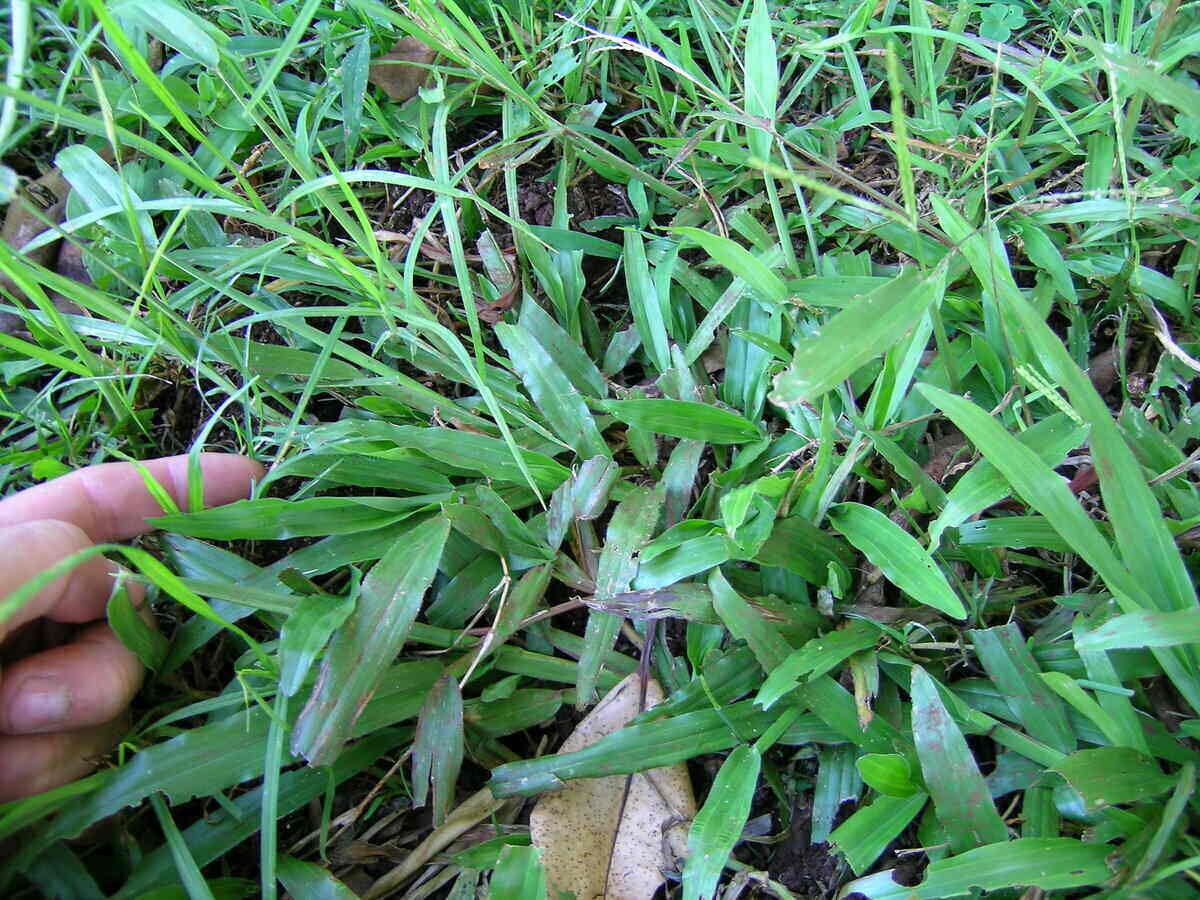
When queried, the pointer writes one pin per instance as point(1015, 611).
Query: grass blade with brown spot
point(631, 526)
point(367, 643)
point(960, 795)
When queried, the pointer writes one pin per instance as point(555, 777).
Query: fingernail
point(42, 702)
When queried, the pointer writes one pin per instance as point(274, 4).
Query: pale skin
point(61, 709)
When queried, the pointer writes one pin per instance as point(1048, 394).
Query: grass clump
point(838, 357)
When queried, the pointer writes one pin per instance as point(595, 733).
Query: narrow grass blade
point(189, 873)
point(1147, 545)
point(718, 825)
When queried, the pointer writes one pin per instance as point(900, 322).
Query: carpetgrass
point(842, 353)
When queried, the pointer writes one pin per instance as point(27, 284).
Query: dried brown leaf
point(574, 827)
point(399, 73)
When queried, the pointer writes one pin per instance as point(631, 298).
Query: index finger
point(109, 502)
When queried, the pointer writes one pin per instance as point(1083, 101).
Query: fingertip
point(76, 596)
point(82, 684)
point(33, 763)
point(227, 476)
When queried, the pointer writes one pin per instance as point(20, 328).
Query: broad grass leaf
point(174, 25)
point(679, 479)
point(1049, 494)
point(1009, 663)
point(583, 496)
point(799, 546)
point(718, 825)
point(519, 874)
point(487, 855)
point(692, 557)
point(136, 633)
point(567, 353)
point(960, 795)
point(575, 827)
point(632, 524)
point(740, 261)
point(556, 398)
point(404, 476)
point(645, 303)
point(438, 749)
point(362, 649)
point(705, 333)
point(479, 453)
point(982, 485)
point(305, 634)
point(636, 748)
point(354, 88)
point(864, 836)
point(310, 881)
point(1143, 629)
point(568, 241)
point(100, 187)
point(837, 782)
point(746, 624)
point(271, 360)
point(684, 419)
point(629, 530)
point(820, 655)
point(275, 519)
point(762, 77)
point(856, 335)
point(1140, 73)
point(1104, 776)
point(903, 561)
point(1051, 864)
point(1044, 253)
point(1098, 664)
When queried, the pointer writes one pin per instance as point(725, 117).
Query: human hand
point(62, 708)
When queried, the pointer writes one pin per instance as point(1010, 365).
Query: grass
point(850, 344)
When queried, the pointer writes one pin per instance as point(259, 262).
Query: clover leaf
point(1000, 20)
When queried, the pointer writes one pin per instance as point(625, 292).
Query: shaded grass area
point(852, 343)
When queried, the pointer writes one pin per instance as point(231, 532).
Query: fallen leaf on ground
point(574, 827)
point(400, 73)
